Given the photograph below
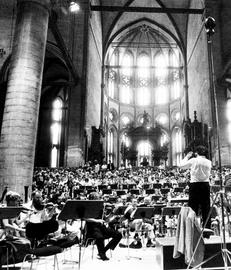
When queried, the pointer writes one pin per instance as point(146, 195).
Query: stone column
point(20, 119)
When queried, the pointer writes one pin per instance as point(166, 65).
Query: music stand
point(81, 209)
point(158, 209)
point(146, 186)
point(182, 184)
point(167, 185)
point(120, 192)
point(157, 185)
point(171, 210)
point(164, 190)
point(156, 197)
point(150, 191)
point(135, 191)
point(131, 186)
point(114, 186)
point(101, 187)
point(178, 189)
point(106, 191)
point(144, 212)
point(88, 187)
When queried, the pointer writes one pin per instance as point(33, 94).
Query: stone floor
point(120, 259)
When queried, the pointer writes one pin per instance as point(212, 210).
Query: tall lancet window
point(161, 62)
point(143, 77)
point(56, 128)
point(126, 74)
point(177, 146)
point(110, 145)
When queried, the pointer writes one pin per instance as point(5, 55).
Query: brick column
point(20, 119)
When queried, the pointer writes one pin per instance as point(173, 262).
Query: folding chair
point(37, 233)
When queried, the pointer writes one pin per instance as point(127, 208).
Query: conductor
point(199, 188)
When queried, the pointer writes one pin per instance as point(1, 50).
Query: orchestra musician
point(13, 234)
point(12, 227)
point(139, 225)
point(98, 229)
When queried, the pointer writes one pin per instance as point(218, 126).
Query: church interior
point(116, 92)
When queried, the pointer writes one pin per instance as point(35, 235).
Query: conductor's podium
point(165, 260)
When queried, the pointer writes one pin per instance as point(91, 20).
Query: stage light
point(74, 6)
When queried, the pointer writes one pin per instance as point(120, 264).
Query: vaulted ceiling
point(169, 20)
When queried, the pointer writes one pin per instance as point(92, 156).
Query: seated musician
point(37, 212)
point(14, 234)
point(12, 227)
point(97, 229)
point(44, 217)
point(139, 225)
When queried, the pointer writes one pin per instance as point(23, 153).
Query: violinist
point(39, 220)
point(36, 207)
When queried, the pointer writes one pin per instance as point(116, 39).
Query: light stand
point(209, 27)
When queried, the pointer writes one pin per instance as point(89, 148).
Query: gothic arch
point(55, 85)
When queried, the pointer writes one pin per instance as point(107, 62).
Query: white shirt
point(200, 168)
